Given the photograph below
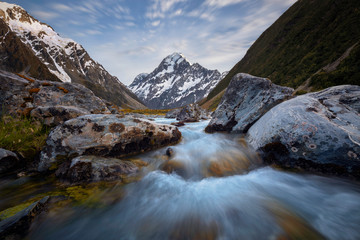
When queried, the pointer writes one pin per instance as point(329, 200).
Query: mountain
point(34, 48)
point(175, 83)
point(312, 46)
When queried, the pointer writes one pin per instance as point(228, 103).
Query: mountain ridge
point(174, 83)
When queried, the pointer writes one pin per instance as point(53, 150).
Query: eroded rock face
point(318, 132)
point(105, 135)
point(86, 169)
point(53, 102)
point(246, 99)
point(8, 160)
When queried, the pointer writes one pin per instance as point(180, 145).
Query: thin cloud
point(44, 15)
point(222, 3)
point(155, 23)
point(62, 7)
point(93, 32)
point(160, 8)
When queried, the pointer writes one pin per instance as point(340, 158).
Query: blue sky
point(129, 37)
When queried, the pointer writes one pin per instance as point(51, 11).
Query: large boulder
point(53, 102)
point(84, 169)
point(246, 99)
point(318, 132)
point(8, 160)
point(106, 135)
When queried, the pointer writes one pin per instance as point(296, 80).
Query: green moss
point(13, 210)
point(23, 135)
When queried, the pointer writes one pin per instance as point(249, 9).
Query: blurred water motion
point(213, 191)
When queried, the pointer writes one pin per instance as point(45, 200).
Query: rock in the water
point(173, 113)
point(8, 160)
point(53, 102)
point(107, 135)
point(17, 226)
point(86, 169)
point(192, 113)
point(318, 132)
point(246, 99)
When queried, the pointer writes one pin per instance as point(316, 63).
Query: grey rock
point(85, 169)
point(246, 99)
point(175, 83)
point(318, 132)
point(8, 160)
point(192, 113)
point(173, 113)
point(53, 102)
point(104, 135)
point(17, 226)
point(188, 113)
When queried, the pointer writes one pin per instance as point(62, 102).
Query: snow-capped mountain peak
point(174, 83)
point(175, 58)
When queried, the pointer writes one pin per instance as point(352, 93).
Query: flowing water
point(215, 188)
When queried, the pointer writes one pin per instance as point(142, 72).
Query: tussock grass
point(22, 135)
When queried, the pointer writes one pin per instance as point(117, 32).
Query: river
point(219, 189)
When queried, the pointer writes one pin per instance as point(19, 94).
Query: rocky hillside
point(314, 45)
point(34, 48)
point(175, 83)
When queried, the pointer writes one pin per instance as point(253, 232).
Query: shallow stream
point(218, 189)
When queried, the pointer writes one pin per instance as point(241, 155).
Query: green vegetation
point(23, 135)
point(308, 36)
point(348, 69)
point(13, 210)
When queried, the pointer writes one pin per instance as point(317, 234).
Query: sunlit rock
point(106, 135)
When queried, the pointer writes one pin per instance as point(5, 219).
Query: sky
point(129, 37)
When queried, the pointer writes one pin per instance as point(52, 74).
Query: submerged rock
point(246, 99)
point(53, 102)
point(104, 135)
point(17, 226)
point(8, 160)
point(318, 132)
point(93, 168)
